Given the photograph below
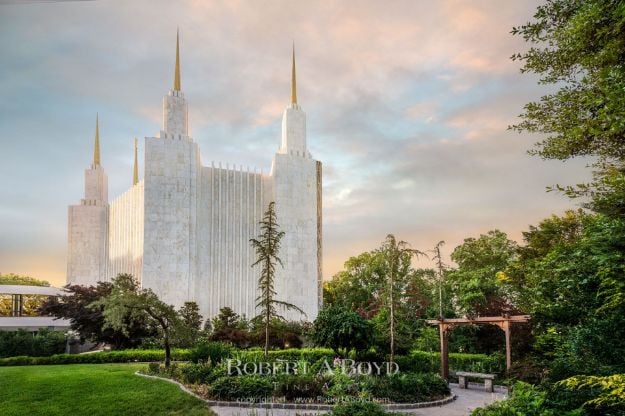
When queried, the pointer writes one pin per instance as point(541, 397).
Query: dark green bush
point(358, 409)
point(255, 387)
point(212, 351)
point(124, 356)
point(291, 386)
point(197, 373)
point(408, 387)
point(43, 344)
point(525, 400)
point(154, 368)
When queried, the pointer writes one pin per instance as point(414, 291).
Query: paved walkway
point(466, 401)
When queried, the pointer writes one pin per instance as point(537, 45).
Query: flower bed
point(318, 385)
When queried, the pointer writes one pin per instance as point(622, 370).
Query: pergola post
point(444, 333)
point(505, 325)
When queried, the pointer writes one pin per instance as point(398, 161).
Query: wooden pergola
point(445, 327)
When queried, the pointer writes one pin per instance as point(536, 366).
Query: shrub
point(309, 355)
point(291, 386)
point(598, 395)
point(211, 351)
point(241, 387)
point(342, 385)
point(358, 409)
point(525, 400)
point(197, 373)
point(342, 329)
point(408, 388)
point(154, 368)
point(44, 343)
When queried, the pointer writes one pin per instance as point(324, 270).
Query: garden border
point(296, 406)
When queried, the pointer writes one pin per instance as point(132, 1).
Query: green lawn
point(91, 389)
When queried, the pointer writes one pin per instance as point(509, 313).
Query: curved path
point(467, 400)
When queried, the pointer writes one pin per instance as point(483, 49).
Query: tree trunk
point(167, 351)
point(267, 333)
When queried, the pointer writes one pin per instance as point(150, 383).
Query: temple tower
point(170, 198)
point(88, 225)
point(296, 190)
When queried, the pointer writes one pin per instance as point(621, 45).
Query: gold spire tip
point(293, 80)
point(177, 69)
point(96, 144)
point(135, 170)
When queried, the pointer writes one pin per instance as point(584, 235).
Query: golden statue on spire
point(177, 70)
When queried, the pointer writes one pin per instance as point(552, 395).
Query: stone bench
point(463, 379)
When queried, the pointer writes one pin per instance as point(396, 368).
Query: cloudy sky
point(407, 104)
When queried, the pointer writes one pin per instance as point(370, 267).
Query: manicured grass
point(91, 389)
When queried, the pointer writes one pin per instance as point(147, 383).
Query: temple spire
point(96, 144)
point(177, 70)
point(135, 171)
point(293, 82)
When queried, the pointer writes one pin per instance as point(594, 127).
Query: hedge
point(310, 355)
point(124, 356)
point(415, 361)
point(429, 362)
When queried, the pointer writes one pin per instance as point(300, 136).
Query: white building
point(184, 230)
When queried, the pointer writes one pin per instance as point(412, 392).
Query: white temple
point(184, 230)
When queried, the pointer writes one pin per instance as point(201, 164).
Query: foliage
point(31, 303)
point(580, 395)
point(196, 373)
point(293, 386)
point(15, 279)
point(267, 248)
point(525, 400)
point(109, 389)
point(359, 286)
point(310, 355)
point(342, 330)
point(127, 303)
point(42, 344)
point(124, 356)
point(228, 326)
point(397, 257)
point(409, 387)
point(427, 340)
point(89, 321)
point(364, 287)
point(608, 393)
point(569, 277)
point(605, 194)
point(359, 408)
point(187, 333)
point(241, 387)
point(210, 352)
point(429, 362)
point(577, 46)
point(475, 283)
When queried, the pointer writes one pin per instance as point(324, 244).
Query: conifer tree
point(267, 247)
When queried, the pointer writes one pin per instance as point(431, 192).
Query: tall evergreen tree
point(267, 247)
